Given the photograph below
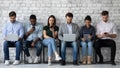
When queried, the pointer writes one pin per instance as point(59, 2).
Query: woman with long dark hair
point(50, 33)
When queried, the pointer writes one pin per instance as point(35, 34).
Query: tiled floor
point(59, 66)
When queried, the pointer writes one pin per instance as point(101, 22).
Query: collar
point(104, 22)
point(69, 24)
point(86, 26)
point(12, 23)
point(31, 24)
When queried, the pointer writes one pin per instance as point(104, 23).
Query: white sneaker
point(49, 62)
point(36, 59)
point(58, 58)
point(7, 62)
point(29, 59)
point(16, 62)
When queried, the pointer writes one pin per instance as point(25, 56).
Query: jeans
point(37, 46)
point(51, 44)
point(63, 49)
point(8, 44)
point(87, 48)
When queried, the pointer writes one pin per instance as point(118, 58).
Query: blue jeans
point(63, 49)
point(8, 44)
point(87, 48)
point(51, 44)
point(37, 46)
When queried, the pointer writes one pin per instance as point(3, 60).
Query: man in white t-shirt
point(106, 31)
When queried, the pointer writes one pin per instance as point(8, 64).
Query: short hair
point(33, 17)
point(52, 16)
point(69, 14)
point(104, 13)
point(88, 18)
point(12, 13)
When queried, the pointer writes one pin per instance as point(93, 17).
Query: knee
point(74, 45)
point(6, 43)
point(90, 44)
point(25, 42)
point(83, 44)
point(52, 39)
point(113, 44)
point(63, 43)
point(38, 45)
point(96, 45)
point(18, 44)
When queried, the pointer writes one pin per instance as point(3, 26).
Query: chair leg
point(43, 55)
point(95, 55)
point(40, 59)
point(24, 58)
point(60, 51)
point(78, 54)
point(21, 56)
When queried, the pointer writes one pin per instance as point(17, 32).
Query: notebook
point(12, 37)
point(69, 37)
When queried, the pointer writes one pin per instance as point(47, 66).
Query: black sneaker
point(101, 60)
point(75, 63)
point(113, 63)
point(63, 62)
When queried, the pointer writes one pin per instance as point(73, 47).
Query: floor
point(59, 66)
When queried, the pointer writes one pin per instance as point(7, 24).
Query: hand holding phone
point(106, 34)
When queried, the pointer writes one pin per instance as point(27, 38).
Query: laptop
point(69, 37)
point(12, 37)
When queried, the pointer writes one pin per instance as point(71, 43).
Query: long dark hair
point(51, 16)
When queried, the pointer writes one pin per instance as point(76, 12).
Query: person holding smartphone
point(106, 31)
point(33, 38)
point(50, 33)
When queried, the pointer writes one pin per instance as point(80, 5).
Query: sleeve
point(25, 27)
point(60, 33)
point(4, 31)
point(40, 31)
point(45, 28)
point(81, 32)
point(77, 32)
point(56, 28)
point(114, 30)
point(93, 33)
point(97, 29)
point(21, 32)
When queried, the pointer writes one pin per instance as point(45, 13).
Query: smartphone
point(105, 33)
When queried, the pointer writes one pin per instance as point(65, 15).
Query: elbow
point(44, 36)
